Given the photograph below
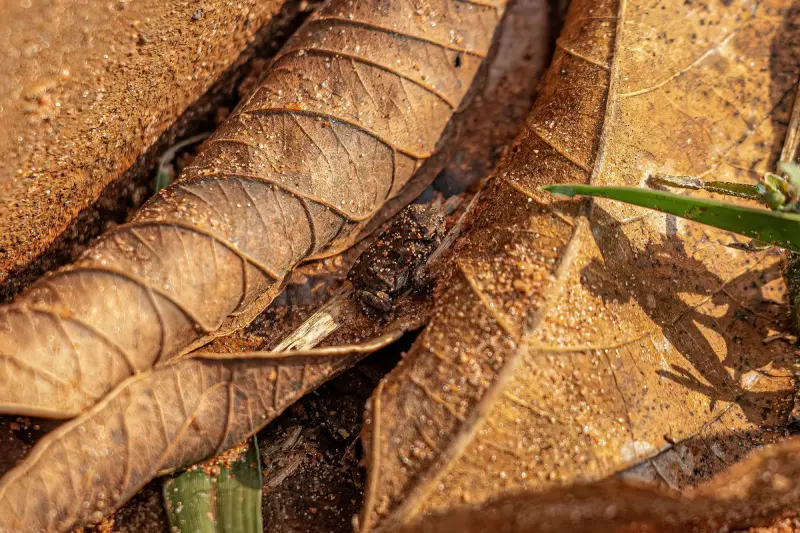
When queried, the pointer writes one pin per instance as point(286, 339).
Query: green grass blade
point(164, 175)
point(239, 494)
point(163, 179)
point(190, 500)
point(777, 228)
point(229, 502)
point(739, 190)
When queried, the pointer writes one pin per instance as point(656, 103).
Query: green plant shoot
point(773, 227)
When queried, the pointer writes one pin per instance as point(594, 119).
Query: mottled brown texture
point(395, 262)
point(351, 107)
point(511, 80)
point(88, 88)
point(576, 340)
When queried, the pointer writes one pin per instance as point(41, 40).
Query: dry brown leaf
point(578, 340)
point(519, 69)
point(198, 406)
point(757, 492)
point(173, 416)
point(352, 106)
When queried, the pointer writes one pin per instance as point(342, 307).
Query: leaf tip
point(561, 190)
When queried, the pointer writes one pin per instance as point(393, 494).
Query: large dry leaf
point(176, 415)
point(757, 492)
point(578, 340)
point(351, 107)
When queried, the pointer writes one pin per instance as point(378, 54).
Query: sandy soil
point(87, 89)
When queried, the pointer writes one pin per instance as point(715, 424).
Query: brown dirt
point(310, 459)
point(312, 477)
point(91, 94)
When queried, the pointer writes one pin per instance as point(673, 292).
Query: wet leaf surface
point(577, 340)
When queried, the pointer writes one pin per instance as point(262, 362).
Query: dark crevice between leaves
point(313, 479)
point(314, 452)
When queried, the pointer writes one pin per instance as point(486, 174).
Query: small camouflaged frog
point(394, 263)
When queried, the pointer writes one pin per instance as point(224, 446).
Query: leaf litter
point(337, 129)
point(522, 329)
point(575, 340)
point(246, 344)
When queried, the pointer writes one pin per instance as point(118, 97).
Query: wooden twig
point(318, 328)
point(321, 324)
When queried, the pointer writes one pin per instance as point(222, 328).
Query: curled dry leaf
point(757, 492)
point(576, 340)
point(351, 107)
point(197, 407)
point(170, 417)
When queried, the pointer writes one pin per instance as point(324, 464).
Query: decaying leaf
point(173, 416)
point(199, 406)
point(352, 106)
point(518, 72)
point(576, 340)
point(757, 492)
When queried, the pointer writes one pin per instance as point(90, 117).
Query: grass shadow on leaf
point(717, 324)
